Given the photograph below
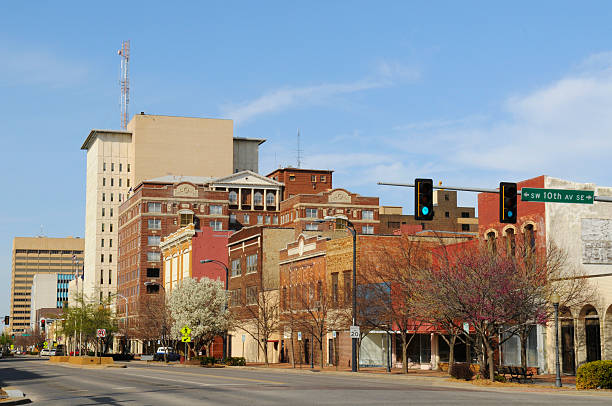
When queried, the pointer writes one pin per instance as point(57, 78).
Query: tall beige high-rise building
point(40, 255)
point(152, 146)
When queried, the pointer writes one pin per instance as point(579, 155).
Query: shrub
point(500, 378)
point(594, 375)
point(122, 357)
point(235, 361)
point(207, 360)
point(461, 370)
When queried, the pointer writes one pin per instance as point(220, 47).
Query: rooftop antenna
point(124, 80)
point(41, 230)
point(299, 151)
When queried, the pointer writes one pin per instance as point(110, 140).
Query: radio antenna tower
point(299, 151)
point(124, 53)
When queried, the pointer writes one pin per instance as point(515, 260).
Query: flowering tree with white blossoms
point(202, 306)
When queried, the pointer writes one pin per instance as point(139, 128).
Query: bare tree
point(390, 291)
point(258, 316)
point(316, 310)
point(154, 320)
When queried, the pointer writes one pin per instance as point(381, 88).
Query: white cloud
point(289, 97)
point(562, 129)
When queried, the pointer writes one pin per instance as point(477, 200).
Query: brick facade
point(301, 211)
point(156, 210)
point(302, 181)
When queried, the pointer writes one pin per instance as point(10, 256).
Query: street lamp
point(351, 228)
point(208, 261)
point(554, 298)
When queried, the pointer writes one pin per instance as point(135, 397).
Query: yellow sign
point(185, 331)
point(45, 344)
point(12, 346)
point(186, 339)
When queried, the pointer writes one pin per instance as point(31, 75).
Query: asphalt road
point(51, 384)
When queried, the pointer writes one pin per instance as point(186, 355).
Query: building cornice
point(93, 134)
point(298, 258)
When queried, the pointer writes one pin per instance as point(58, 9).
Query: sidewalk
point(545, 380)
point(11, 396)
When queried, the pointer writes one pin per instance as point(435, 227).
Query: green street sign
point(557, 195)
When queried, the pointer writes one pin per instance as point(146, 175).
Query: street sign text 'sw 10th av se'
point(557, 195)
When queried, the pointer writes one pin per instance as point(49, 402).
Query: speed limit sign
point(101, 333)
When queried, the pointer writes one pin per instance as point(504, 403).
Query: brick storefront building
point(182, 252)
point(307, 301)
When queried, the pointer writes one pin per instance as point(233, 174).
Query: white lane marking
point(231, 378)
point(192, 382)
point(124, 387)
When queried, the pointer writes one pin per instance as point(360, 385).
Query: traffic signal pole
point(607, 199)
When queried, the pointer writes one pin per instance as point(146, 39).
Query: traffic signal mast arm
point(607, 199)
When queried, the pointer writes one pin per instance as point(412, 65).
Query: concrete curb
point(86, 366)
point(15, 397)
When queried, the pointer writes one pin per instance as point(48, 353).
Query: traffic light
point(423, 199)
point(42, 324)
point(7, 319)
point(507, 202)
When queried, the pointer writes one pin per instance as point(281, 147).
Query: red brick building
point(308, 297)
point(155, 210)
point(530, 218)
point(302, 181)
point(183, 250)
point(301, 211)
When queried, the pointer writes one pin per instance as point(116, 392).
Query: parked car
point(44, 352)
point(170, 354)
point(56, 351)
point(74, 353)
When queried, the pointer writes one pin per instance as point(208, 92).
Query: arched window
point(529, 239)
point(568, 355)
point(510, 242)
point(270, 198)
point(233, 197)
point(258, 198)
point(592, 334)
point(491, 244)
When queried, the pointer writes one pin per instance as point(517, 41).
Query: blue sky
point(468, 93)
